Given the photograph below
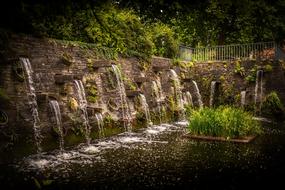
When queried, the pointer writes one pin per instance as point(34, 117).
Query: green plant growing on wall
point(130, 84)
point(66, 59)
point(111, 78)
point(182, 64)
point(188, 110)
point(252, 75)
point(77, 124)
point(73, 104)
point(109, 121)
point(222, 78)
point(92, 94)
point(268, 68)
point(89, 64)
point(140, 119)
point(239, 69)
point(272, 106)
point(173, 107)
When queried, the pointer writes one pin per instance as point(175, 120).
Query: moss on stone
point(73, 105)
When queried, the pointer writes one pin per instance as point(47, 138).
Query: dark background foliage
point(150, 27)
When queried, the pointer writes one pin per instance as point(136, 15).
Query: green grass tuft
point(223, 121)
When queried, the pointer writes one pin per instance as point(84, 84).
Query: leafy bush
point(163, 37)
point(106, 26)
point(223, 121)
point(272, 106)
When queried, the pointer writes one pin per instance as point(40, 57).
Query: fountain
point(57, 115)
point(212, 94)
point(200, 102)
point(32, 100)
point(258, 92)
point(242, 98)
point(158, 95)
point(145, 107)
point(100, 123)
point(177, 92)
point(124, 104)
point(187, 97)
point(80, 91)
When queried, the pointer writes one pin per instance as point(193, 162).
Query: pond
point(158, 157)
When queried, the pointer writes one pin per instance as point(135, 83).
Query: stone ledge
point(61, 79)
point(102, 63)
point(157, 68)
point(245, 139)
point(187, 80)
point(132, 93)
point(141, 79)
point(92, 110)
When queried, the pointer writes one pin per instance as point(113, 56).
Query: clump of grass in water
point(223, 121)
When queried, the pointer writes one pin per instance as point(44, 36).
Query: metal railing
point(262, 50)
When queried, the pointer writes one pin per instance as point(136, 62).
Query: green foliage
point(272, 106)
point(188, 110)
point(239, 69)
point(120, 24)
point(106, 26)
point(182, 64)
point(251, 77)
point(163, 37)
point(92, 94)
point(66, 59)
point(268, 68)
point(108, 121)
point(223, 121)
point(222, 78)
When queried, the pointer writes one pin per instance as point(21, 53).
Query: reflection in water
point(167, 159)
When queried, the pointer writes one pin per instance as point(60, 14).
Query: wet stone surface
point(155, 158)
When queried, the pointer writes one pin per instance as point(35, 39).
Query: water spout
point(158, 95)
point(242, 98)
point(100, 123)
point(197, 91)
point(187, 97)
point(258, 92)
point(81, 96)
point(32, 100)
point(124, 104)
point(177, 92)
point(145, 107)
point(212, 93)
point(57, 115)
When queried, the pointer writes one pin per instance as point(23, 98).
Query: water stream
point(187, 97)
point(242, 98)
point(145, 107)
point(32, 100)
point(258, 92)
point(81, 97)
point(57, 115)
point(126, 113)
point(197, 91)
point(158, 95)
point(100, 123)
point(178, 92)
point(212, 93)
